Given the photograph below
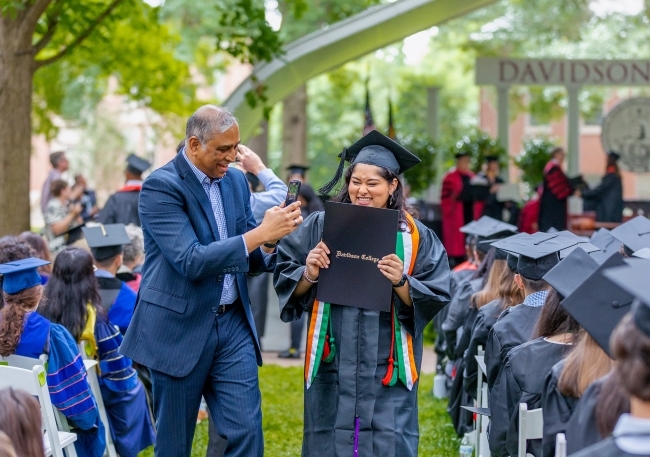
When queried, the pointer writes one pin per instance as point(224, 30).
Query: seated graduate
point(74, 301)
point(538, 254)
point(353, 395)
point(633, 235)
point(25, 333)
point(41, 251)
point(106, 245)
point(20, 424)
point(630, 344)
point(598, 305)
point(522, 377)
point(508, 294)
point(12, 249)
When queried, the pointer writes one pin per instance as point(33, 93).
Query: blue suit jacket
point(182, 277)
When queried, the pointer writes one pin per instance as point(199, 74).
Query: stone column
point(573, 131)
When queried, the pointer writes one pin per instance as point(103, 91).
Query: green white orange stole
point(321, 346)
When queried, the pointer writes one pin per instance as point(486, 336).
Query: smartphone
point(292, 192)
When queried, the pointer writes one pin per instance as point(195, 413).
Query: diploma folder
point(357, 237)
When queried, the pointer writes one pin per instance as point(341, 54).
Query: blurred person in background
point(20, 422)
point(88, 199)
point(607, 197)
point(556, 189)
point(39, 246)
point(60, 215)
point(132, 258)
point(122, 206)
point(59, 166)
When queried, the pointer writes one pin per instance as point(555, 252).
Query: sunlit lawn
point(282, 408)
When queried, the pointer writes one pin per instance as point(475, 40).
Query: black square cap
point(573, 270)
point(643, 254)
point(374, 149)
point(633, 278)
point(598, 304)
point(489, 228)
point(137, 165)
point(634, 234)
point(106, 241)
point(73, 234)
point(607, 244)
point(298, 169)
point(538, 253)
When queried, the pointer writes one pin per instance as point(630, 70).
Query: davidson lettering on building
point(544, 72)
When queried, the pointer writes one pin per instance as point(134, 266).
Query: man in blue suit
point(193, 325)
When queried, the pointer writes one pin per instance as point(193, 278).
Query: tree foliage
point(532, 160)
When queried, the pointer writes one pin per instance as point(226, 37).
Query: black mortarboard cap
point(73, 234)
point(487, 228)
point(573, 270)
point(374, 149)
point(106, 241)
point(489, 159)
point(607, 244)
point(582, 242)
point(538, 253)
point(137, 165)
point(460, 154)
point(513, 261)
point(643, 254)
point(633, 278)
point(634, 234)
point(614, 154)
point(598, 304)
point(20, 275)
point(298, 169)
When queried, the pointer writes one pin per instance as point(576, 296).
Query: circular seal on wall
point(626, 130)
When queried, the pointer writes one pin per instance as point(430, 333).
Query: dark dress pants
point(226, 376)
point(258, 292)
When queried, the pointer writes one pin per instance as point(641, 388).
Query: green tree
point(52, 49)
point(532, 160)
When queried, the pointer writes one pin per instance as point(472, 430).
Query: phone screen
point(292, 192)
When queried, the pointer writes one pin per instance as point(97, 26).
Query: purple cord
point(356, 437)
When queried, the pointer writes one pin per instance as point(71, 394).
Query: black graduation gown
point(493, 208)
point(607, 448)
point(607, 198)
point(351, 384)
point(485, 319)
point(121, 208)
point(558, 409)
point(552, 204)
point(521, 381)
point(514, 327)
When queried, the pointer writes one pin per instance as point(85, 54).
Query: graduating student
point(357, 377)
point(630, 345)
point(508, 294)
point(607, 197)
point(457, 206)
point(122, 206)
point(73, 301)
point(634, 235)
point(538, 254)
point(556, 189)
point(522, 376)
point(26, 333)
point(107, 246)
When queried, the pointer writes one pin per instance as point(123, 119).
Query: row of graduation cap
point(593, 280)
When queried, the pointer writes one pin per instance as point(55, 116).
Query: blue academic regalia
point(123, 394)
point(66, 380)
point(119, 301)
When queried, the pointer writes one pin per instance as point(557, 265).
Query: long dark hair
point(398, 201)
point(554, 320)
point(71, 287)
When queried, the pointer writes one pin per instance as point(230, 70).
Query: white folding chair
point(560, 445)
point(93, 381)
point(531, 427)
point(482, 445)
point(34, 382)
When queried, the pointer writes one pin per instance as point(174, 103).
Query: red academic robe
point(552, 205)
point(453, 212)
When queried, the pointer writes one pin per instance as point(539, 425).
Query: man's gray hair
point(208, 122)
point(136, 248)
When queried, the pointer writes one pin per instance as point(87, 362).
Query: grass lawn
point(282, 408)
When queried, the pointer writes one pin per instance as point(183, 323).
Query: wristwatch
point(272, 245)
point(401, 281)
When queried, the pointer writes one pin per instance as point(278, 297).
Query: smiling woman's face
point(368, 188)
point(213, 158)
